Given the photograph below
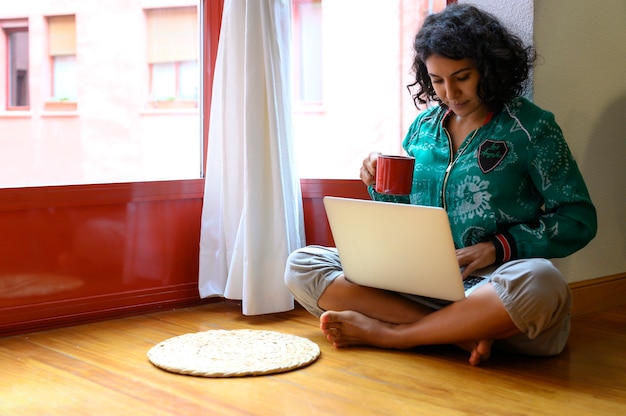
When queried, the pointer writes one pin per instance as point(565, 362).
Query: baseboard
point(589, 296)
point(598, 294)
point(49, 315)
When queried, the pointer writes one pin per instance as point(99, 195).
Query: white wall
point(580, 78)
point(517, 15)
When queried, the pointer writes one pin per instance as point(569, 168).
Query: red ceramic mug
point(394, 174)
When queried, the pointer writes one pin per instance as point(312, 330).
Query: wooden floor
point(102, 369)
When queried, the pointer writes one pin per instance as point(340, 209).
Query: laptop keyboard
point(471, 281)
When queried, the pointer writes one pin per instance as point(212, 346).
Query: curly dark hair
point(463, 31)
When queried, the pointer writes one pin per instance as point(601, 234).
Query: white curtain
point(252, 212)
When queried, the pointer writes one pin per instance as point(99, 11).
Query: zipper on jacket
point(453, 159)
point(448, 169)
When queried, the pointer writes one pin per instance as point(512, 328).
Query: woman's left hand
point(476, 257)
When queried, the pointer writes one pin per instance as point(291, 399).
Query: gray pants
point(533, 291)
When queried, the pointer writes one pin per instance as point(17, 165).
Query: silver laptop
point(399, 247)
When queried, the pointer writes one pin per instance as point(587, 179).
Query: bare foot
point(479, 351)
point(350, 328)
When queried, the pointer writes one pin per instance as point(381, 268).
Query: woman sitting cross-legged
point(513, 193)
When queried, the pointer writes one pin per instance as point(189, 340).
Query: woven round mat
point(234, 353)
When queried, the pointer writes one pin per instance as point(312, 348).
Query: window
point(307, 53)
point(95, 69)
point(62, 50)
point(350, 76)
point(17, 57)
point(64, 78)
point(173, 56)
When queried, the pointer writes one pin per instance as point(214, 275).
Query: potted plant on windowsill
point(60, 104)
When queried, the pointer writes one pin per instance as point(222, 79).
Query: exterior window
point(64, 78)
point(173, 57)
point(96, 94)
point(18, 97)
point(350, 76)
point(307, 51)
point(62, 50)
point(175, 81)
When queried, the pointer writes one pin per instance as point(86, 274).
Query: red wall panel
point(82, 258)
point(74, 254)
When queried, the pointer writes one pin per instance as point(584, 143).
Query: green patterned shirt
point(513, 181)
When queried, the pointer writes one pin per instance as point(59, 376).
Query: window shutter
point(172, 34)
point(62, 31)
